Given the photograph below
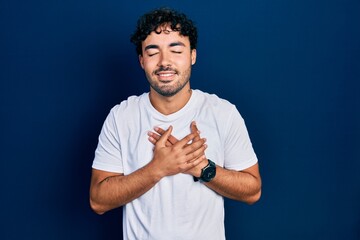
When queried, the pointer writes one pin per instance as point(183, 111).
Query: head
point(154, 20)
point(165, 41)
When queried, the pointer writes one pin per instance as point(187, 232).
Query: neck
point(169, 105)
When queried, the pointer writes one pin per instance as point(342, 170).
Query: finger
point(153, 138)
point(163, 139)
point(159, 130)
point(195, 162)
point(192, 156)
point(168, 143)
point(194, 145)
point(194, 129)
point(184, 142)
point(171, 138)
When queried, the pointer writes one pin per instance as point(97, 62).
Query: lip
point(165, 75)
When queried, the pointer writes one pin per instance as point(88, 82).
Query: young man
point(170, 156)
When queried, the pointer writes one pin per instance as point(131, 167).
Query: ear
point(141, 60)
point(193, 56)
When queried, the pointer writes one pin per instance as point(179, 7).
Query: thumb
point(194, 129)
point(163, 139)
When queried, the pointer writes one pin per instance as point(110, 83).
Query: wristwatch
point(207, 173)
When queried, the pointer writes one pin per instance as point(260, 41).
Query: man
point(170, 156)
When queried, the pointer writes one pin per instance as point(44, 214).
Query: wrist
point(197, 170)
point(208, 172)
point(156, 173)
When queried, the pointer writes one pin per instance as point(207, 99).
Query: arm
point(112, 190)
point(242, 185)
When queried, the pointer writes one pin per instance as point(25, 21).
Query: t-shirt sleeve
point(108, 152)
point(239, 153)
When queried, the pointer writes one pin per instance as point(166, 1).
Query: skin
point(167, 59)
point(242, 185)
point(110, 190)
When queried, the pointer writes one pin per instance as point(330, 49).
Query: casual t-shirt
point(176, 207)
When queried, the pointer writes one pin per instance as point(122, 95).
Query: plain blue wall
point(291, 67)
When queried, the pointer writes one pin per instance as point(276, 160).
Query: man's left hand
point(155, 136)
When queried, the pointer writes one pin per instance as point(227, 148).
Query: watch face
point(209, 173)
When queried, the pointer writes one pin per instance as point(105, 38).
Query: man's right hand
point(173, 156)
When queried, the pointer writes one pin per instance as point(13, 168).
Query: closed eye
point(152, 54)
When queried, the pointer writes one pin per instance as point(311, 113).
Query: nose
point(164, 59)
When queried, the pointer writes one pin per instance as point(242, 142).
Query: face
point(167, 60)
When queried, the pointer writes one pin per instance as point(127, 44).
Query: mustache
point(163, 68)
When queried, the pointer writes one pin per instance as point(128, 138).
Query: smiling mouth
point(165, 74)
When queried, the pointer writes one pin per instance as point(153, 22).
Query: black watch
point(207, 173)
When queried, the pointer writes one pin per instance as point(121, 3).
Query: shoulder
point(214, 101)
point(131, 104)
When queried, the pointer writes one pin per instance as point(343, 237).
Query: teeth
point(166, 75)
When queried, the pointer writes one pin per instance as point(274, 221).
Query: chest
point(137, 150)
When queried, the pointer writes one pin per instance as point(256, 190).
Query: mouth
point(165, 76)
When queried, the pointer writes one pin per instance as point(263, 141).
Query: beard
point(174, 88)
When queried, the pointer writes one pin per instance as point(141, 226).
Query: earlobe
point(141, 60)
point(193, 56)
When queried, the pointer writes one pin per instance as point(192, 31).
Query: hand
point(171, 140)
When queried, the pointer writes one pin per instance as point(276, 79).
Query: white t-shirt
point(176, 207)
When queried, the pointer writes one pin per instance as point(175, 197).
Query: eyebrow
point(174, 44)
point(151, 46)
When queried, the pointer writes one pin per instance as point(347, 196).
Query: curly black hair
point(150, 22)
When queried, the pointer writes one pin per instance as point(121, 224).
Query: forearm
point(236, 185)
point(116, 191)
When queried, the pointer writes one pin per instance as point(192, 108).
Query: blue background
point(291, 67)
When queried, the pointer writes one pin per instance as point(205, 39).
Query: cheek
point(148, 65)
point(182, 62)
